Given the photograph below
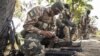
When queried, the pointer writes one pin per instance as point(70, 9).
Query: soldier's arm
point(29, 24)
point(32, 19)
point(59, 23)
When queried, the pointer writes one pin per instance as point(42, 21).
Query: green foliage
point(17, 12)
point(98, 33)
point(78, 7)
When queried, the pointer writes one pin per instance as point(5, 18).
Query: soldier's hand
point(47, 34)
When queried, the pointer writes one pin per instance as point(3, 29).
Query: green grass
point(98, 33)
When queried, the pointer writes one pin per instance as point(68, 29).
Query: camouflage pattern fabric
point(32, 45)
point(37, 19)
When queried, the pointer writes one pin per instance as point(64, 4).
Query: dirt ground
point(90, 47)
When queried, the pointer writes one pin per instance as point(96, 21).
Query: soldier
point(64, 24)
point(85, 24)
point(39, 25)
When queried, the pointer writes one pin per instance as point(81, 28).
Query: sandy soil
point(90, 47)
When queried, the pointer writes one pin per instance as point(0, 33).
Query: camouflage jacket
point(85, 20)
point(38, 19)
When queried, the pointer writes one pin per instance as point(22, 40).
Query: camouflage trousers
point(84, 32)
point(32, 45)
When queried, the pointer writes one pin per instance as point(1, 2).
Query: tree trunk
point(6, 13)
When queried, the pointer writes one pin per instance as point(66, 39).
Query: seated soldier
point(39, 25)
point(64, 23)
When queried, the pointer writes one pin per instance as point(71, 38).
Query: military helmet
point(88, 11)
point(66, 6)
point(58, 5)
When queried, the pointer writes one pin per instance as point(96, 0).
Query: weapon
point(8, 34)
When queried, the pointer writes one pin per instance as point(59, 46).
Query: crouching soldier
point(39, 25)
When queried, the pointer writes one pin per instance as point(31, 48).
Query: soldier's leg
point(83, 32)
point(32, 45)
point(86, 34)
point(73, 33)
point(67, 33)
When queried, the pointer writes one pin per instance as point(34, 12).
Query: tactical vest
point(45, 17)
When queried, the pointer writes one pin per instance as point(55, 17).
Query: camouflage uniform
point(64, 24)
point(84, 25)
point(38, 19)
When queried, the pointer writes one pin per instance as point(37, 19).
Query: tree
point(18, 9)
point(6, 13)
point(77, 7)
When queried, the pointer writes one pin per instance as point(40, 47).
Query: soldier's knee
point(31, 47)
point(66, 27)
